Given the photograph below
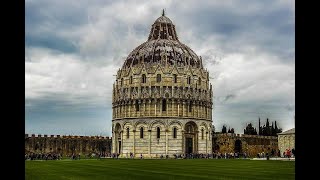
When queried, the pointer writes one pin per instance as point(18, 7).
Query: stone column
point(207, 111)
point(198, 109)
point(178, 108)
point(160, 108)
point(139, 102)
point(207, 142)
point(183, 107)
point(113, 142)
point(201, 111)
point(172, 107)
point(149, 148)
point(167, 104)
point(193, 109)
point(196, 142)
point(149, 107)
point(166, 141)
point(183, 141)
point(130, 108)
point(134, 137)
point(155, 107)
point(187, 109)
point(144, 104)
point(121, 143)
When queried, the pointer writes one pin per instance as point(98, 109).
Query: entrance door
point(119, 150)
point(189, 146)
point(238, 146)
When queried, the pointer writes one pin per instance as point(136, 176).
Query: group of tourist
point(288, 153)
point(217, 155)
point(42, 156)
point(230, 155)
point(262, 155)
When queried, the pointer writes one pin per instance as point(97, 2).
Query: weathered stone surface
point(286, 140)
point(162, 85)
point(67, 145)
point(250, 144)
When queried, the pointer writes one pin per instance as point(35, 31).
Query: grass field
point(194, 169)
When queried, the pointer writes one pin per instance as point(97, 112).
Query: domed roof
point(163, 19)
point(163, 47)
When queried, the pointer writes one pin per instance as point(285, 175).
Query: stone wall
point(67, 145)
point(286, 141)
point(250, 144)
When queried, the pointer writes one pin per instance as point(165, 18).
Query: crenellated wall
point(67, 145)
point(249, 144)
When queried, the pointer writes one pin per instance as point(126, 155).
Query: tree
point(232, 130)
point(224, 129)
point(250, 130)
point(260, 130)
point(268, 130)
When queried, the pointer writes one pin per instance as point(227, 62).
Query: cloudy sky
point(74, 48)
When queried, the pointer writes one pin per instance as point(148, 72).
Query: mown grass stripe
point(160, 169)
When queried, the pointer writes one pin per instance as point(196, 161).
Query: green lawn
point(194, 169)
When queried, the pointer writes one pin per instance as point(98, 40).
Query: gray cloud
point(74, 48)
point(290, 107)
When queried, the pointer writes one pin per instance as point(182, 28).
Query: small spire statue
point(162, 12)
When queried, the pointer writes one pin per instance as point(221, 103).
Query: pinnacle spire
point(162, 12)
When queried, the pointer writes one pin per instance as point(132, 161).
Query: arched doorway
point(191, 136)
point(118, 139)
point(238, 146)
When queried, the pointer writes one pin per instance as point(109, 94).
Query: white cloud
point(250, 58)
point(50, 73)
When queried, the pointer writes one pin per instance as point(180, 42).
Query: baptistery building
point(162, 99)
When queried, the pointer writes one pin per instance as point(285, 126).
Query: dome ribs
point(163, 48)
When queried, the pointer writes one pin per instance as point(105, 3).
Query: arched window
point(164, 105)
point(202, 134)
point(137, 105)
point(158, 132)
point(199, 81)
point(130, 81)
point(141, 132)
point(144, 78)
point(175, 78)
point(158, 77)
point(190, 107)
point(121, 81)
point(174, 132)
point(128, 133)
